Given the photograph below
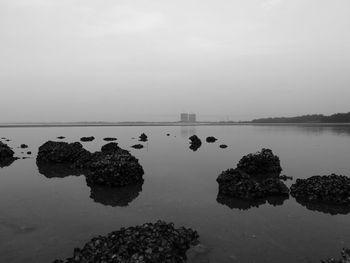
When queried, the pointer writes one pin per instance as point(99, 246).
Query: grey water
point(45, 214)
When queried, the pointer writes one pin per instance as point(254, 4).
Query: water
point(44, 218)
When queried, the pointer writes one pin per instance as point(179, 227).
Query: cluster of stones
point(157, 243)
point(6, 155)
point(345, 257)
point(329, 189)
point(111, 166)
point(195, 142)
point(143, 138)
point(255, 177)
point(211, 139)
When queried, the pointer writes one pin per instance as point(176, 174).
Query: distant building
point(192, 117)
point(184, 117)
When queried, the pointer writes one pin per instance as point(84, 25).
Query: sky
point(129, 60)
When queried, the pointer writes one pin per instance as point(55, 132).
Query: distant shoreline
point(126, 124)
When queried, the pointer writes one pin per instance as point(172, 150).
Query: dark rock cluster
point(236, 183)
point(143, 138)
point(111, 166)
point(87, 139)
point(261, 163)
point(329, 189)
point(195, 143)
point(345, 257)
point(24, 146)
point(6, 155)
point(211, 139)
point(160, 242)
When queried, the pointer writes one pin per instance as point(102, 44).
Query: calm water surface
point(44, 215)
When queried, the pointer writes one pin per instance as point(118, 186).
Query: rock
point(5, 151)
point(211, 139)
point(24, 146)
point(156, 243)
point(115, 196)
point(52, 170)
point(62, 152)
point(61, 137)
point(110, 139)
point(143, 138)
point(285, 177)
point(7, 162)
point(261, 163)
point(29, 152)
point(111, 166)
point(195, 143)
point(137, 146)
point(236, 183)
point(168, 134)
point(87, 139)
point(329, 189)
point(345, 257)
point(223, 146)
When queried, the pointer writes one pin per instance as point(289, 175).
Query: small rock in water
point(223, 146)
point(61, 137)
point(168, 134)
point(29, 152)
point(137, 146)
point(143, 138)
point(87, 139)
point(211, 139)
point(24, 146)
point(195, 143)
point(156, 243)
point(110, 139)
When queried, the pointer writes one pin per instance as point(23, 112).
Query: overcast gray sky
point(115, 60)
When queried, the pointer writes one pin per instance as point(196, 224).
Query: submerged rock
point(211, 139)
point(223, 146)
point(110, 139)
point(143, 138)
point(236, 183)
point(111, 166)
point(345, 257)
point(196, 143)
point(328, 189)
point(153, 243)
point(87, 139)
point(261, 163)
point(137, 146)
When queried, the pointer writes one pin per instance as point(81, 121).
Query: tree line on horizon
point(314, 118)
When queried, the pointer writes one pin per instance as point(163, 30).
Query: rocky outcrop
point(329, 189)
point(236, 183)
point(156, 243)
point(87, 139)
point(143, 138)
point(137, 146)
point(211, 139)
point(111, 166)
point(109, 139)
point(5, 151)
point(62, 152)
point(345, 257)
point(195, 143)
point(261, 163)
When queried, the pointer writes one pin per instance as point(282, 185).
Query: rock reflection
point(325, 208)
point(243, 204)
point(50, 170)
point(7, 162)
point(115, 196)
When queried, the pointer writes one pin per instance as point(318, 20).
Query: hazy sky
point(115, 60)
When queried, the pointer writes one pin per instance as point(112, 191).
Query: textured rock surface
point(149, 243)
point(261, 163)
point(5, 151)
point(329, 189)
point(236, 183)
point(345, 257)
point(195, 143)
point(143, 138)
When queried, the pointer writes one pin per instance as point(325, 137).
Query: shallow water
point(44, 217)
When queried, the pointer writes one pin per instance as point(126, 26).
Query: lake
point(45, 215)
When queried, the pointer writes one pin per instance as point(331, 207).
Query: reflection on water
point(325, 208)
point(241, 204)
point(187, 131)
point(50, 170)
point(115, 196)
